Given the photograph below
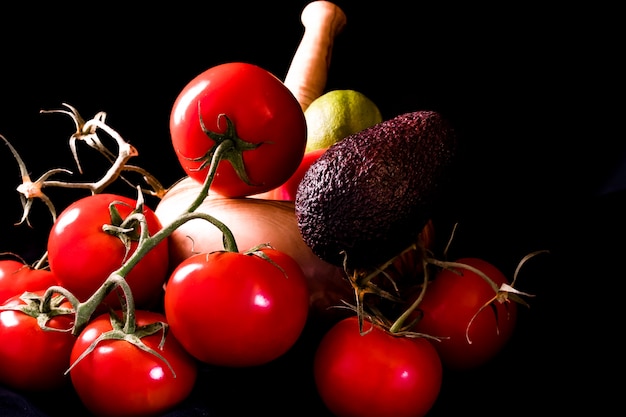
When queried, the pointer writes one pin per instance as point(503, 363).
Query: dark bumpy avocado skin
point(371, 194)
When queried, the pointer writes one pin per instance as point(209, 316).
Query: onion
point(252, 221)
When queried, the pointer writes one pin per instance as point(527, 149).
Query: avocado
point(369, 196)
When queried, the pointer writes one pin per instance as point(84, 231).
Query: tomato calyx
point(127, 330)
point(41, 307)
point(257, 251)
point(228, 147)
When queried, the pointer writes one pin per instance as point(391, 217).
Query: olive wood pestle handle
point(307, 74)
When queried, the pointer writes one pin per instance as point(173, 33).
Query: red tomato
point(236, 309)
point(82, 255)
point(263, 112)
point(376, 374)
point(287, 191)
point(17, 277)
point(119, 379)
point(34, 359)
point(450, 302)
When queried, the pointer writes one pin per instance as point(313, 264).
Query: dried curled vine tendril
point(87, 132)
point(30, 190)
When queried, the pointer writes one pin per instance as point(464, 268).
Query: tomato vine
point(87, 132)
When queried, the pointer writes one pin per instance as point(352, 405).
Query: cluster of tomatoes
point(107, 308)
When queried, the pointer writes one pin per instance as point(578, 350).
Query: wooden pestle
point(307, 74)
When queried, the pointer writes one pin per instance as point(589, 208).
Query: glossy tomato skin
point(82, 255)
point(261, 108)
point(17, 277)
point(287, 190)
point(450, 302)
point(119, 379)
point(238, 310)
point(376, 374)
point(31, 358)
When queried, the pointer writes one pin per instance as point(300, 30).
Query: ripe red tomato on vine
point(245, 116)
point(451, 311)
point(82, 255)
point(118, 378)
point(34, 358)
point(376, 374)
point(237, 309)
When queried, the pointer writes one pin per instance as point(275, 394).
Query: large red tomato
point(254, 117)
point(237, 309)
point(449, 305)
point(17, 277)
point(118, 378)
point(32, 358)
point(376, 374)
point(82, 255)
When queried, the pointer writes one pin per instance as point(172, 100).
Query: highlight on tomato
point(377, 373)
point(237, 309)
point(246, 117)
point(82, 255)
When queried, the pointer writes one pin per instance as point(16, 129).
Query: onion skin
point(252, 221)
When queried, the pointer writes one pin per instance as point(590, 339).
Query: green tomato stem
point(452, 265)
point(399, 323)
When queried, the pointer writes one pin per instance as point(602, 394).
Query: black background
point(531, 92)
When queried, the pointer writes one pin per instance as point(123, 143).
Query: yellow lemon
point(337, 114)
